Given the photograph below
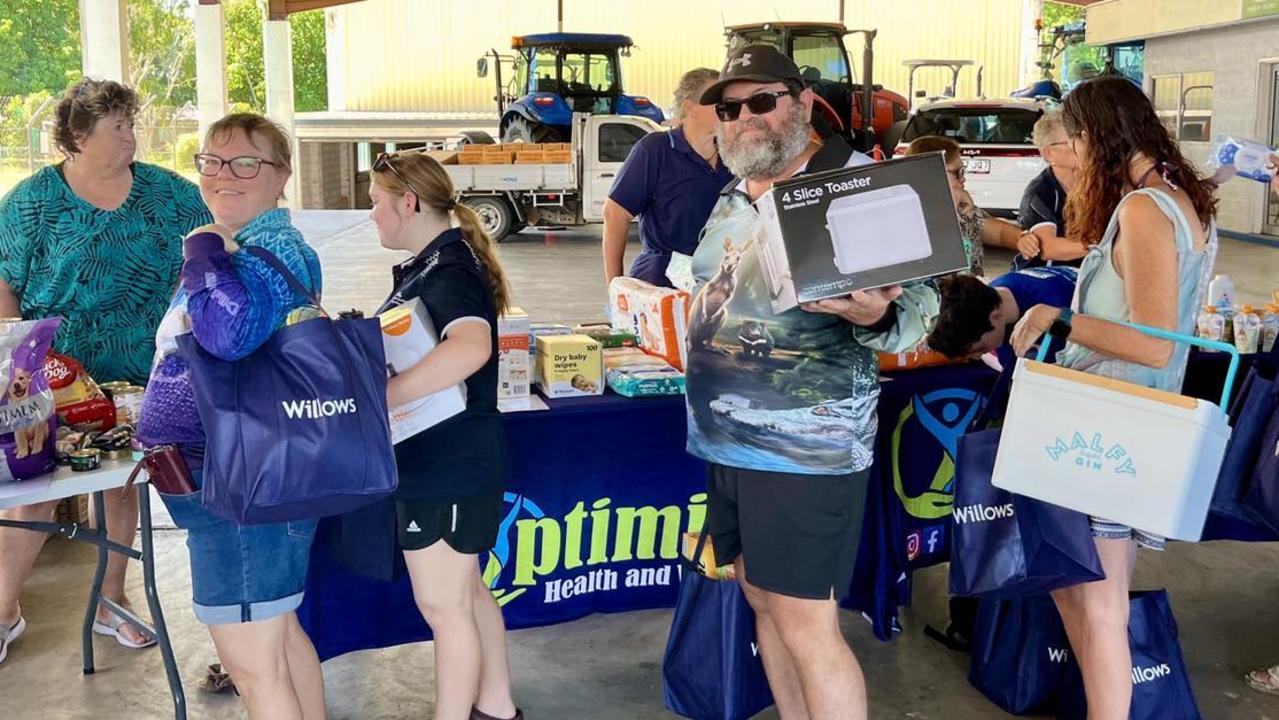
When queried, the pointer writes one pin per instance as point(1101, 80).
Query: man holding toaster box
point(788, 435)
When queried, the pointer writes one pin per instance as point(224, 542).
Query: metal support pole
point(95, 593)
point(153, 602)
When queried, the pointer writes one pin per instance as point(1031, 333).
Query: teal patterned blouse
point(110, 275)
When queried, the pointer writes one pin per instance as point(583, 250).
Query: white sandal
point(111, 628)
point(1269, 685)
point(10, 634)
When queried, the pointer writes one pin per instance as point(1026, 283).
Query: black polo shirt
point(466, 454)
point(1044, 200)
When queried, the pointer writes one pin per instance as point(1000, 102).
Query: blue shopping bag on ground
point(712, 669)
point(1251, 414)
point(1262, 499)
point(1005, 545)
point(299, 428)
point(1161, 686)
point(1020, 653)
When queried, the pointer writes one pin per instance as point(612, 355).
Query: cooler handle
point(1178, 338)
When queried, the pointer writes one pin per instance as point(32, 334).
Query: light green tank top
point(1101, 293)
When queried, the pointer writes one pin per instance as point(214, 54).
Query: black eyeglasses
point(760, 103)
point(958, 172)
point(245, 167)
point(383, 163)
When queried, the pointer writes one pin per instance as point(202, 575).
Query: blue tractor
point(556, 75)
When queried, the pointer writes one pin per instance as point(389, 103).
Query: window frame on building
point(1179, 108)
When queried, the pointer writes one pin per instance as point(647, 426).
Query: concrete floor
point(608, 667)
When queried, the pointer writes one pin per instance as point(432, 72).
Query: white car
point(995, 139)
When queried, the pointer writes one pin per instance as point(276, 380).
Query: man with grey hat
point(788, 435)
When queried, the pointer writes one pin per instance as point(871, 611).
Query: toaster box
point(569, 366)
point(828, 234)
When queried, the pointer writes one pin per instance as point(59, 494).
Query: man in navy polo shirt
point(670, 181)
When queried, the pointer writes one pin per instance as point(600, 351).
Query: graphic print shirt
point(789, 393)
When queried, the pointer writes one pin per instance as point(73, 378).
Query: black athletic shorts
point(797, 534)
point(468, 525)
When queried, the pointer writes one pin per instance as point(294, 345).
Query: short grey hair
point(1047, 126)
point(691, 86)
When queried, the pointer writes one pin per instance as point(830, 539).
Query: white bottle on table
point(1269, 327)
point(1212, 326)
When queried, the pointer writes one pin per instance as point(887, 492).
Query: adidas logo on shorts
point(413, 527)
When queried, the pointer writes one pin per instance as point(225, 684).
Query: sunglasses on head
point(761, 103)
point(383, 163)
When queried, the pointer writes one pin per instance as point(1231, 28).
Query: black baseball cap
point(754, 63)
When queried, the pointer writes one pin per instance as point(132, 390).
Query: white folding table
point(111, 476)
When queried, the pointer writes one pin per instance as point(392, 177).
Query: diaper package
point(1245, 158)
point(569, 366)
point(657, 316)
point(28, 423)
point(634, 373)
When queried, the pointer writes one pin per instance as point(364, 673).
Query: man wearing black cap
point(788, 435)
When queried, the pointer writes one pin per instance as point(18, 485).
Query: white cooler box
point(1145, 458)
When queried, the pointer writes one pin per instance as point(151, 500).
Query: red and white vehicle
point(995, 138)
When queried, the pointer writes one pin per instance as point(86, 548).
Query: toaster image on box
point(877, 229)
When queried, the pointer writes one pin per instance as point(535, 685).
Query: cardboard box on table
point(569, 366)
point(408, 336)
point(831, 233)
point(513, 362)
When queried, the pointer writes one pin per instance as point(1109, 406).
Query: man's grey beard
point(764, 157)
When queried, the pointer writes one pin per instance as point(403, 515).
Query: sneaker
point(9, 635)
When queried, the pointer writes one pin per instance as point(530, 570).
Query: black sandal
point(477, 715)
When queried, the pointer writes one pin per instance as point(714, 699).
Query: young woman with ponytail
point(449, 503)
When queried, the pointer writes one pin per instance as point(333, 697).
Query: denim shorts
point(1107, 530)
point(241, 573)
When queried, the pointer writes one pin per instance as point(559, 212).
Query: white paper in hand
point(408, 336)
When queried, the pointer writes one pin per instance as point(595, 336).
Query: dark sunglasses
point(761, 103)
point(383, 163)
point(245, 167)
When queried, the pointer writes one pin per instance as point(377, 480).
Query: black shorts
point(797, 534)
point(468, 525)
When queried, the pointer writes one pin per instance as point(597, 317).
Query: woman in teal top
point(98, 240)
point(1147, 218)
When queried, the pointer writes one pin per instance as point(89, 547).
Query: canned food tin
point(128, 404)
point(84, 460)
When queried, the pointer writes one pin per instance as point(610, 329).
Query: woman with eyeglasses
point(96, 239)
point(246, 581)
point(1043, 204)
point(449, 502)
point(976, 225)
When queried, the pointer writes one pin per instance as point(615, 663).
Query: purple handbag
point(299, 428)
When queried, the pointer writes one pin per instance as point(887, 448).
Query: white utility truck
point(509, 197)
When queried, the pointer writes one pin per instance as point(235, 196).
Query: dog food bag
point(28, 423)
point(657, 316)
point(80, 403)
point(569, 366)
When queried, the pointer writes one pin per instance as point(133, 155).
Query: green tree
point(162, 52)
point(39, 46)
point(246, 76)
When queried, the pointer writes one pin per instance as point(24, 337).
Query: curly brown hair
point(1121, 122)
point(84, 104)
